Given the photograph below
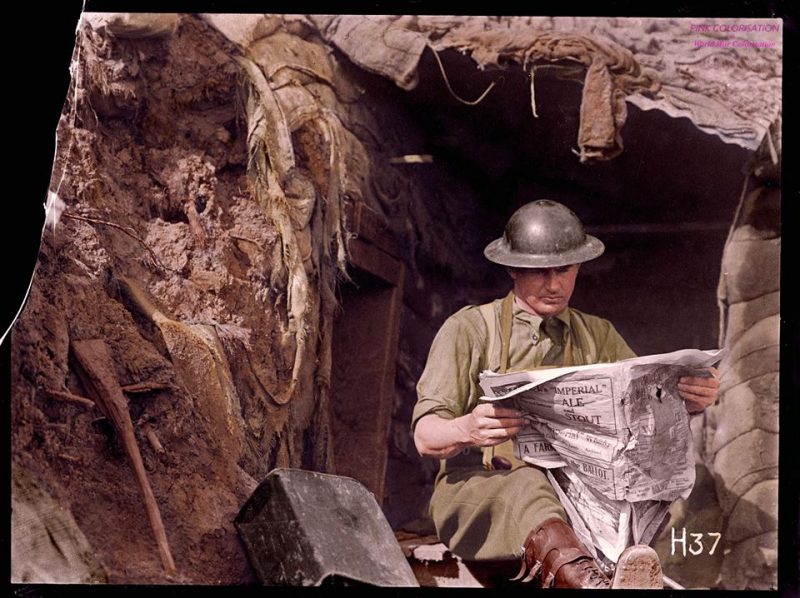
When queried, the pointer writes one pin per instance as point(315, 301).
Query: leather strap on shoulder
point(487, 311)
point(506, 319)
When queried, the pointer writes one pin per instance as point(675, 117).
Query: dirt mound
point(151, 167)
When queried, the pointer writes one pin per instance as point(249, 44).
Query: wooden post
point(365, 345)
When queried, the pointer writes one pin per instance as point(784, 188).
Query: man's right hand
point(486, 425)
point(489, 424)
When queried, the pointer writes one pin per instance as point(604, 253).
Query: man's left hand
point(699, 392)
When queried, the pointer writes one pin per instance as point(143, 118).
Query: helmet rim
point(500, 252)
point(543, 234)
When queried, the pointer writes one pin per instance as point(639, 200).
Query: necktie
point(554, 329)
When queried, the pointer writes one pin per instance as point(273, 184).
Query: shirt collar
point(536, 320)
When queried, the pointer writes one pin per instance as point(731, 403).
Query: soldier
point(486, 504)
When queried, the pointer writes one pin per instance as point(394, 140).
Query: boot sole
point(638, 568)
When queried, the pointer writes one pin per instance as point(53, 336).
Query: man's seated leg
point(486, 515)
point(490, 515)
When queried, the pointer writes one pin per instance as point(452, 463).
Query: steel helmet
point(543, 234)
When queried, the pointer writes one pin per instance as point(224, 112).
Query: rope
point(533, 92)
point(450, 89)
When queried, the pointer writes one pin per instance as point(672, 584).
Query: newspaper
point(614, 438)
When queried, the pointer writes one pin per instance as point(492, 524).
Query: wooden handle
point(96, 370)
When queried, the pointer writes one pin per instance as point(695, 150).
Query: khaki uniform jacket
point(449, 384)
point(486, 515)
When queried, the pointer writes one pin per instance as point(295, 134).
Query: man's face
point(546, 291)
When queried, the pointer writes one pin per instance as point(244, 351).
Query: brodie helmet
point(543, 234)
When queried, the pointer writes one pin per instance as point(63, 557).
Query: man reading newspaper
point(489, 505)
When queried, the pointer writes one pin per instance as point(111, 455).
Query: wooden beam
point(367, 225)
point(651, 228)
point(376, 262)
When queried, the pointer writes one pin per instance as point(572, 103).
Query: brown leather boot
point(554, 550)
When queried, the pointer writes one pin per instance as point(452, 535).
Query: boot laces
point(594, 573)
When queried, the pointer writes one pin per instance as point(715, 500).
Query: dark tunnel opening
point(663, 207)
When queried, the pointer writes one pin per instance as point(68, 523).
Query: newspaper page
point(615, 436)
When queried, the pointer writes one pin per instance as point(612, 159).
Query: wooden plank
point(367, 225)
point(357, 393)
point(96, 370)
point(378, 263)
point(663, 228)
point(366, 336)
point(386, 396)
point(365, 351)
